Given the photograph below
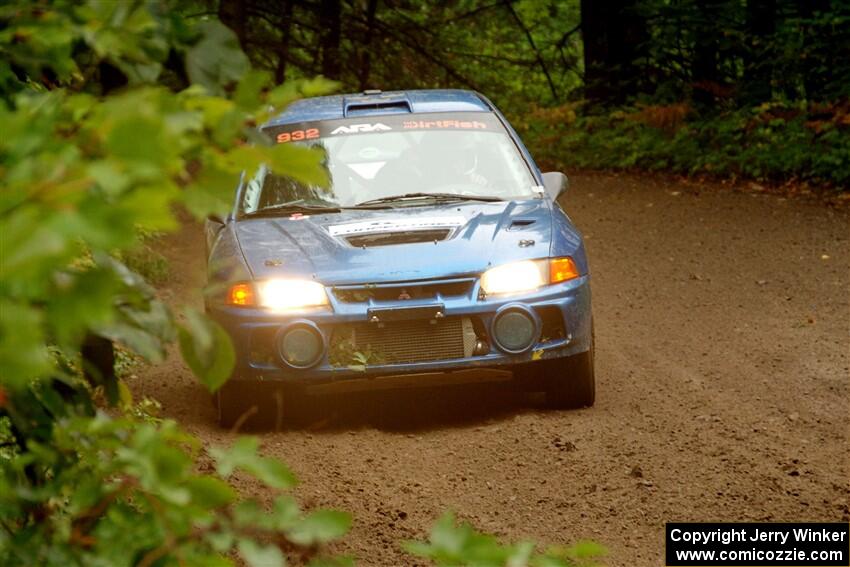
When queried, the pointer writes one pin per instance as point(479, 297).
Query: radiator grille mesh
point(412, 341)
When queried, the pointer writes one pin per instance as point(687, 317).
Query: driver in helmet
point(463, 166)
point(455, 162)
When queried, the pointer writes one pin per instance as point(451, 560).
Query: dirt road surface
point(723, 390)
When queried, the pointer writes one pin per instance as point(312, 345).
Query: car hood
point(340, 248)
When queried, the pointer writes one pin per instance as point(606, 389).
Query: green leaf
point(521, 555)
point(220, 541)
point(300, 163)
point(243, 455)
point(216, 60)
point(109, 175)
point(206, 560)
point(303, 164)
point(586, 550)
point(331, 562)
point(210, 492)
point(30, 243)
point(211, 192)
point(207, 349)
point(23, 353)
point(85, 301)
point(321, 526)
point(272, 472)
point(247, 514)
point(86, 494)
point(284, 513)
point(138, 138)
point(140, 341)
point(248, 92)
point(258, 555)
point(125, 396)
point(150, 206)
point(446, 535)
point(290, 91)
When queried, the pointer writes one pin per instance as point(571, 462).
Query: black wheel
point(245, 403)
point(570, 382)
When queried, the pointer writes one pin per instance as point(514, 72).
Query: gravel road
point(723, 390)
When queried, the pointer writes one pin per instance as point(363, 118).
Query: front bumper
point(568, 301)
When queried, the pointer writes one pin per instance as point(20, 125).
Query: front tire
point(570, 382)
point(231, 403)
point(240, 402)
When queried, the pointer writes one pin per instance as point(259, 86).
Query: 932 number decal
point(298, 135)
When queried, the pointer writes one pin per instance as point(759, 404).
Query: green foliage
point(207, 349)
point(425, 44)
point(774, 141)
point(145, 259)
point(129, 494)
point(217, 59)
point(88, 171)
point(243, 456)
point(740, 54)
point(452, 543)
point(344, 352)
point(82, 175)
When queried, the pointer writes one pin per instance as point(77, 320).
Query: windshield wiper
point(431, 196)
point(293, 207)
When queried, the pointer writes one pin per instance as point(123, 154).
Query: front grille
point(402, 341)
point(410, 290)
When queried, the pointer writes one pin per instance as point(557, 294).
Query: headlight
point(527, 275)
point(278, 294)
point(513, 278)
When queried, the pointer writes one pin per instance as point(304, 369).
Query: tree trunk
point(614, 38)
point(815, 79)
point(593, 32)
point(704, 72)
point(366, 59)
point(330, 21)
point(758, 68)
point(283, 54)
point(234, 14)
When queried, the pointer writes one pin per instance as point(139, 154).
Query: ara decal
point(361, 128)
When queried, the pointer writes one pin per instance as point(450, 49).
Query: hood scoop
point(393, 238)
point(518, 224)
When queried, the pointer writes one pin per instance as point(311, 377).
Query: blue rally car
point(438, 254)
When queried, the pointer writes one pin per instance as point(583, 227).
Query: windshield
point(376, 157)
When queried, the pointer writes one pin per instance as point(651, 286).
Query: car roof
point(373, 102)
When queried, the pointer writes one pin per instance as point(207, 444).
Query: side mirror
point(555, 184)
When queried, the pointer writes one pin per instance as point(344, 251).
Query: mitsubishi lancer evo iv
point(437, 254)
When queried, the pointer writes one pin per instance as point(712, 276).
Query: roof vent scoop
point(375, 102)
